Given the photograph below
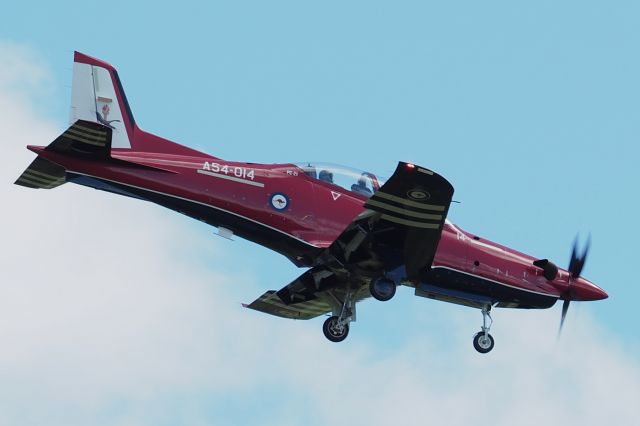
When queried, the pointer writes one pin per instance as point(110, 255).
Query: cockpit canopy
point(358, 181)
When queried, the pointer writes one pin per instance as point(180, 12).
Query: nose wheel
point(483, 342)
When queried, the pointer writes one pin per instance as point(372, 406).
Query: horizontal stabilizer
point(84, 137)
point(43, 174)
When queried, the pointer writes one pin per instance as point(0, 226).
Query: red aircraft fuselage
point(237, 196)
point(358, 237)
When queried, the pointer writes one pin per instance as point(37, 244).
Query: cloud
point(109, 316)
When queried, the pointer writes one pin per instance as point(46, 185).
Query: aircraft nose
point(583, 289)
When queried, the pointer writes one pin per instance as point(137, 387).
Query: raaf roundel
point(357, 235)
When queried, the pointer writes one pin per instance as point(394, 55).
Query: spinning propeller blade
point(565, 308)
point(576, 264)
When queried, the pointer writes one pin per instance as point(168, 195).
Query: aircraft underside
point(441, 283)
point(295, 250)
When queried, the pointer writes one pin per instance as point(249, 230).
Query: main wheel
point(482, 343)
point(382, 289)
point(335, 331)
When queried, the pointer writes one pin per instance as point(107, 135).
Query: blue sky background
point(530, 109)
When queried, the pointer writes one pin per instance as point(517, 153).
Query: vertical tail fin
point(97, 96)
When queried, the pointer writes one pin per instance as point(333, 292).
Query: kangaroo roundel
point(279, 201)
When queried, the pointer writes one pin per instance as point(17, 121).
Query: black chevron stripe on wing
point(414, 202)
point(406, 212)
point(270, 303)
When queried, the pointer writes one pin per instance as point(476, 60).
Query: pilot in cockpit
point(360, 187)
point(326, 176)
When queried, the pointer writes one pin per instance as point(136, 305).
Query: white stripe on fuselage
point(232, 178)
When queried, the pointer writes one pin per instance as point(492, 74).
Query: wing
point(314, 293)
point(299, 299)
point(412, 207)
point(270, 303)
point(401, 226)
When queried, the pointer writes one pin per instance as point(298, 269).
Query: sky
point(117, 312)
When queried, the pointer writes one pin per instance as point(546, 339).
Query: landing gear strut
point(336, 327)
point(483, 342)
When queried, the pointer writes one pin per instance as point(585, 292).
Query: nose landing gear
point(483, 342)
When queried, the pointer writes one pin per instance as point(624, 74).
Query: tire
point(481, 344)
point(332, 332)
point(382, 289)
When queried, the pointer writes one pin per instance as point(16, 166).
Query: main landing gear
point(336, 327)
point(382, 289)
point(483, 342)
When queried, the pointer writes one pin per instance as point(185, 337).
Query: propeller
point(576, 264)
